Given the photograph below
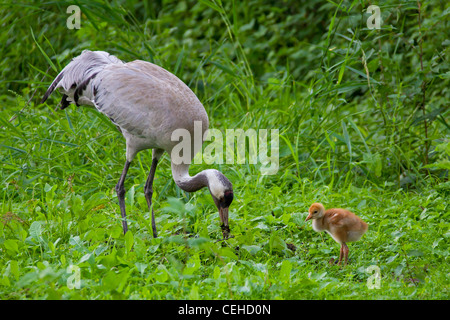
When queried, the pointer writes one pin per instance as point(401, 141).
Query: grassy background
point(364, 123)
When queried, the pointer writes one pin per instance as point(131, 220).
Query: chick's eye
point(315, 211)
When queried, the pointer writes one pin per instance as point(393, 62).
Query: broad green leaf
point(252, 249)
point(194, 293)
point(285, 271)
point(14, 269)
point(129, 241)
point(276, 242)
point(11, 245)
point(35, 231)
point(216, 273)
point(227, 252)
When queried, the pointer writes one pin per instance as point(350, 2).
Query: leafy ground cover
point(363, 122)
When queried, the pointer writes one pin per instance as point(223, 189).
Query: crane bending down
point(146, 103)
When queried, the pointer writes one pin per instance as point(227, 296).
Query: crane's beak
point(308, 217)
point(223, 214)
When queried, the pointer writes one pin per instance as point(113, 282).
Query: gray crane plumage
point(147, 103)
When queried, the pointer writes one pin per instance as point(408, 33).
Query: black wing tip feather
point(81, 87)
point(64, 102)
point(52, 87)
point(46, 95)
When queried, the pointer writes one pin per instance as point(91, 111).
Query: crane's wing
point(146, 100)
point(77, 75)
point(142, 99)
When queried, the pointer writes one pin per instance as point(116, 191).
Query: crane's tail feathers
point(75, 77)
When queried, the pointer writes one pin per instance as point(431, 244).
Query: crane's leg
point(148, 188)
point(120, 189)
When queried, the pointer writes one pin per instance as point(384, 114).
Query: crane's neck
point(216, 182)
point(180, 174)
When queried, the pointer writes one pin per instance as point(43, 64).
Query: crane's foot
point(225, 231)
point(224, 239)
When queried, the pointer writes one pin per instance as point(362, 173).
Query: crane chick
point(343, 226)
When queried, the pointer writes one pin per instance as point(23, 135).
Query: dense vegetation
point(363, 117)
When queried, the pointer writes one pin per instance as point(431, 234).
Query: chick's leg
point(345, 254)
point(341, 254)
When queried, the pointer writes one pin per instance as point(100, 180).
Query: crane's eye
point(315, 211)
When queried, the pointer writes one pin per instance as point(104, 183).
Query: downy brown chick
point(343, 226)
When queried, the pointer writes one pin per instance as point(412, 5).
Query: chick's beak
point(308, 217)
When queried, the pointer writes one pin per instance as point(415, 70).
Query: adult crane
point(147, 104)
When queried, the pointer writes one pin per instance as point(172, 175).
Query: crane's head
point(316, 211)
point(222, 193)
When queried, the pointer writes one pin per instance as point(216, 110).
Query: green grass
point(407, 239)
point(354, 133)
